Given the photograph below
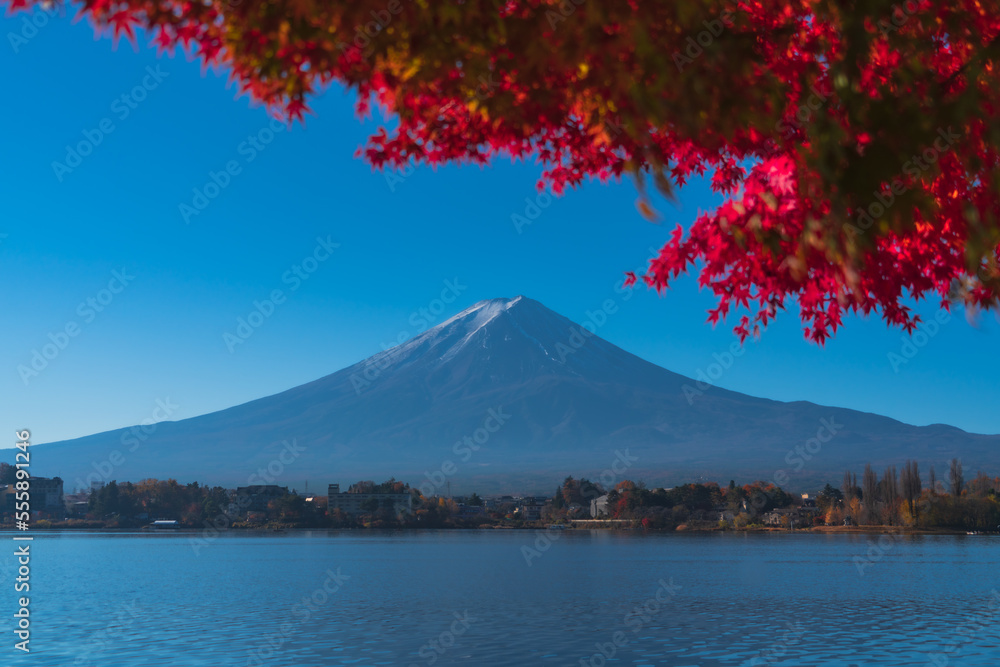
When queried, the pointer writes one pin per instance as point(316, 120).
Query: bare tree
point(932, 480)
point(890, 495)
point(909, 481)
point(869, 492)
point(847, 488)
point(955, 478)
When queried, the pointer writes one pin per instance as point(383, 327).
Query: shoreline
point(683, 529)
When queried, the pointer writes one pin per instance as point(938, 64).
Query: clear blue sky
point(162, 336)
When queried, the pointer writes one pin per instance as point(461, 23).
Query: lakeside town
point(890, 501)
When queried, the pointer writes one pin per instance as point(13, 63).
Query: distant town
point(890, 500)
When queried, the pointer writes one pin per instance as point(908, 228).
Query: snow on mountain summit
point(568, 399)
point(520, 333)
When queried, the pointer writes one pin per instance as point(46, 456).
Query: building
point(725, 514)
point(256, 498)
point(9, 498)
point(778, 517)
point(46, 495)
point(354, 504)
point(796, 516)
point(599, 506)
point(530, 508)
point(76, 503)
point(497, 502)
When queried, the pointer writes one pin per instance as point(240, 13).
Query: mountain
point(510, 396)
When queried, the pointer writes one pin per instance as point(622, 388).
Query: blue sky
point(161, 335)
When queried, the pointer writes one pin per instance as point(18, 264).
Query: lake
point(509, 598)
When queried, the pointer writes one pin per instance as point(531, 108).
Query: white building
point(599, 506)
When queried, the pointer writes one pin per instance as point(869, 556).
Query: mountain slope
point(567, 400)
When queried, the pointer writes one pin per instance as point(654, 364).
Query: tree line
point(901, 499)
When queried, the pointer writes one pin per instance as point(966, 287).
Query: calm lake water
point(471, 598)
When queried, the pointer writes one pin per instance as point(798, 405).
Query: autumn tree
point(984, 486)
point(849, 487)
point(910, 485)
point(734, 497)
point(955, 477)
point(855, 146)
point(558, 500)
point(578, 492)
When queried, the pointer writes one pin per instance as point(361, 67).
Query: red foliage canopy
point(855, 143)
